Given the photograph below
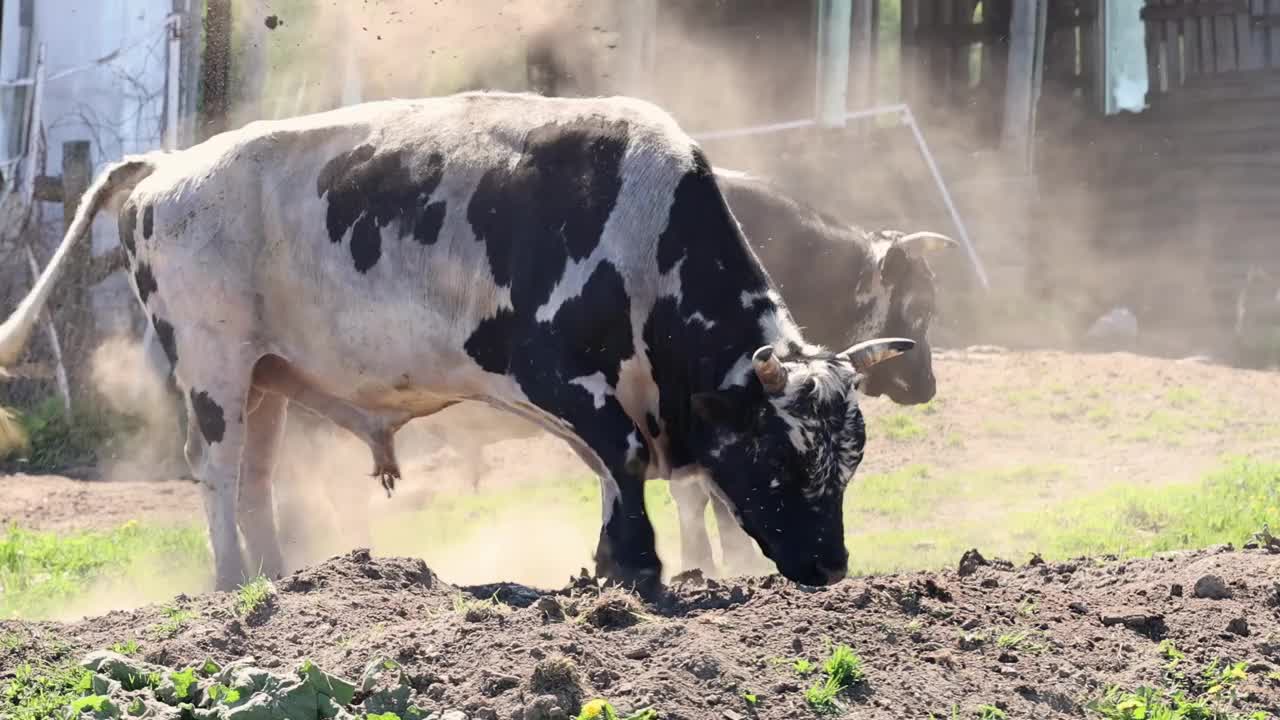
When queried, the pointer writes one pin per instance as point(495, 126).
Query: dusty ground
point(930, 642)
point(1097, 419)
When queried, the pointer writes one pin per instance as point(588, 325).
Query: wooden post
point(1016, 131)
point(215, 75)
point(71, 309)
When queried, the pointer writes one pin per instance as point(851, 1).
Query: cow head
point(909, 284)
point(781, 449)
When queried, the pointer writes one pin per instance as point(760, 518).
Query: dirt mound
point(1041, 640)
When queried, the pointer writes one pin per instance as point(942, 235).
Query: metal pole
point(905, 112)
point(946, 198)
point(834, 26)
point(173, 83)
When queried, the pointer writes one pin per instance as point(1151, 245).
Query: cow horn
point(773, 376)
point(925, 242)
point(872, 352)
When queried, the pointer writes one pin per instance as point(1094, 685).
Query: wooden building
point(1099, 152)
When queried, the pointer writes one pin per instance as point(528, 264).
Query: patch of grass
point(899, 427)
point(175, 618)
point(1022, 641)
point(42, 572)
point(990, 712)
point(803, 667)
point(253, 595)
point(57, 441)
point(1101, 414)
point(919, 490)
point(1183, 397)
point(39, 691)
point(842, 670)
point(751, 699)
point(477, 610)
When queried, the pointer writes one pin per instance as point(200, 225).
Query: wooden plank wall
point(1191, 39)
point(1172, 206)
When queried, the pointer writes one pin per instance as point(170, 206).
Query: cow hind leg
point(691, 506)
point(738, 550)
point(265, 419)
point(216, 395)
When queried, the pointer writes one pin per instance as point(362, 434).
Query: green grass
point(1227, 506)
point(898, 426)
point(919, 491)
point(42, 572)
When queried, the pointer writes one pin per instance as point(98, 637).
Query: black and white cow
point(841, 283)
point(568, 260)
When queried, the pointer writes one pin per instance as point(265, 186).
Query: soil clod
point(1212, 587)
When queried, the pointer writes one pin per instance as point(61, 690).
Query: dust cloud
point(131, 387)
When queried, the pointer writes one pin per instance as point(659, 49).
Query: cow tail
point(118, 178)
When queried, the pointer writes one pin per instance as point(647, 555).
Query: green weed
point(600, 709)
point(803, 667)
point(41, 691)
point(990, 712)
point(253, 595)
point(842, 670)
point(175, 618)
point(128, 648)
point(1171, 654)
point(1147, 703)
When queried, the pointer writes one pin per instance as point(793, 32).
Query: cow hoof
point(645, 582)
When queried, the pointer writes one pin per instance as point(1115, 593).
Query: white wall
point(118, 106)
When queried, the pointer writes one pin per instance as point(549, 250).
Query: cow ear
point(717, 408)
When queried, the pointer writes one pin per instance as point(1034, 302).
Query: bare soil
point(929, 641)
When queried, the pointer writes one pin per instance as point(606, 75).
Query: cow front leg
point(610, 444)
point(266, 416)
point(691, 507)
point(627, 553)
